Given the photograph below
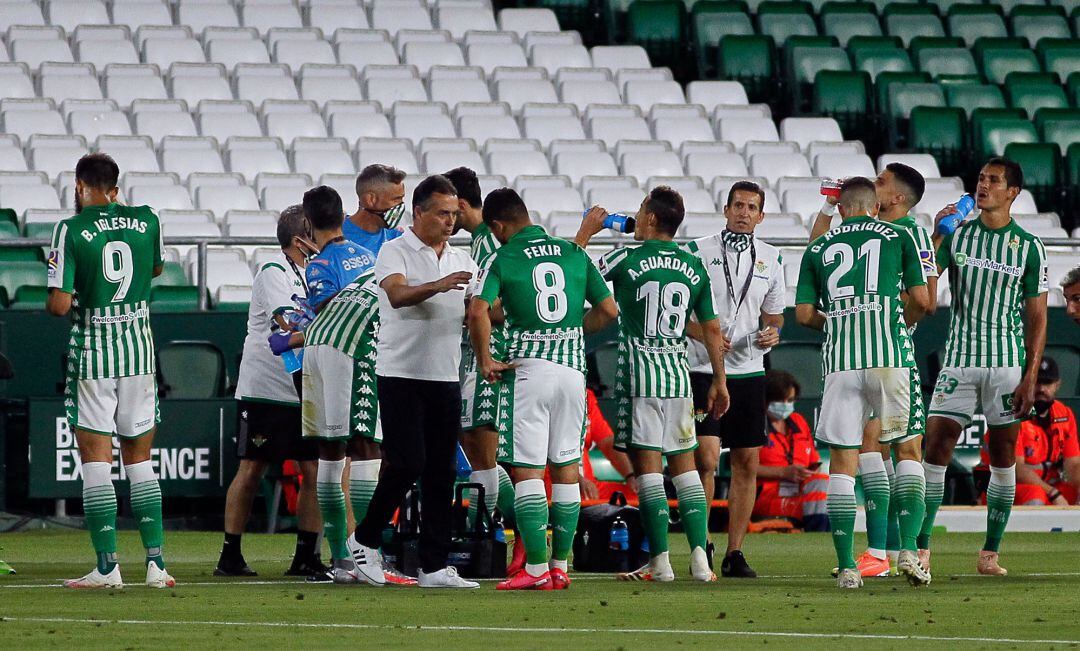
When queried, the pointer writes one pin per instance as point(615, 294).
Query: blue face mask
point(781, 410)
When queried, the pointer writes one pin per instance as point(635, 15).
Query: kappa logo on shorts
point(143, 423)
point(258, 441)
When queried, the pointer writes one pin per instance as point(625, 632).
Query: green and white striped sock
point(99, 509)
point(935, 493)
point(875, 482)
point(363, 478)
point(1000, 494)
point(911, 502)
point(489, 479)
point(332, 506)
point(841, 505)
point(146, 507)
point(655, 515)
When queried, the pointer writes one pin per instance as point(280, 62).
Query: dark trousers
point(421, 422)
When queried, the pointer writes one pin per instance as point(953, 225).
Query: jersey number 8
point(550, 284)
point(117, 268)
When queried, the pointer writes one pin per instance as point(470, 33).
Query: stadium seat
point(904, 97)
point(843, 96)
point(174, 298)
point(909, 26)
point(941, 61)
point(878, 60)
point(332, 17)
point(940, 131)
point(1059, 56)
point(512, 164)
point(807, 62)
point(642, 165)
point(994, 133)
point(710, 21)
point(774, 166)
point(976, 22)
point(1031, 97)
point(1061, 126)
point(263, 16)
point(579, 164)
point(806, 130)
point(782, 20)
point(191, 369)
point(492, 55)
point(849, 23)
point(1034, 23)
point(658, 26)
point(259, 82)
point(843, 165)
point(709, 165)
point(997, 63)
point(751, 60)
point(523, 21)
point(1042, 175)
point(16, 274)
point(738, 131)
point(924, 164)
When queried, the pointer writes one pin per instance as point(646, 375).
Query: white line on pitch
point(538, 629)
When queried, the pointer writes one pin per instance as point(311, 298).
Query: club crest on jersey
point(1014, 243)
point(760, 266)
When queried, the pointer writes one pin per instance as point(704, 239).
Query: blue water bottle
point(293, 359)
point(619, 544)
point(464, 468)
point(964, 205)
point(617, 221)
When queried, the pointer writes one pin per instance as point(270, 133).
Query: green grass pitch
point(794, 604)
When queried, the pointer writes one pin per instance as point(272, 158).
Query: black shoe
point(735, 565)
point(236, 567)
point(710, 549)
point(326, 576)
point(310, 567)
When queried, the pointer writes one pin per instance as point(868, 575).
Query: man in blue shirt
point(381, 190)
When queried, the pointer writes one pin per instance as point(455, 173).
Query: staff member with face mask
point(381, 191)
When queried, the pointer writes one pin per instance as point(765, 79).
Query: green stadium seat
point(172, 275)
point(999, 62)
point(1059, 56)
point(21, 255)
point(231, 306)
point(939, 61)
point(974, 8)
point(845, 97)
point(844, 26)
point(972, 26)
point(940, 131)
point(14, 274)
point(577, 15)
point(1012, 7)
point(943, 6)
point(174, 298)
point(902, 99)
point(9, 231)
point(1058, 125)
point(658, 26)
point(191, 370)
point(803, 360)
point(844, 7)
point(8, 215)
point(710, 22)
point(910, 26)
point(994, 134)
point(1041, 170)
point(30, 297)
point(39, 230)
point(615, 19)
point(750, 60)
point(972, 96)
point(807, 62)
point(886, 79)
point(878, 61)
point(1072, 178)
point(1068, 361)
point(1036, 23)
point(1032, 97)
point(958, 80)
point(909, 8)
point(920, 43)
point(1072, 84)
point(781, 23)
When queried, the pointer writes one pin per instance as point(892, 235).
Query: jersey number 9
point(116, 266)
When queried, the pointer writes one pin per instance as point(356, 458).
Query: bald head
point(858, 197)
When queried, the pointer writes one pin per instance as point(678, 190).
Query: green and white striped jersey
point(105, 256)
point(543, 282)
point(924, 246)
point(483, 243)
point(991, 273)
point(482, 248)
point(854, 274)
point(350, 321)
point(657, 285)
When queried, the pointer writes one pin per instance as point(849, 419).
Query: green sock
point(332, 506)
point(999, 502)
point(505, 500)
point(935, 493)
point(911, 502)
point(655, 515)
point(531, 509)
point(99, 509)
point(363, 478)
point(146, 507)
point(841, 506)
point(892, 531)
point(565, 509)
point(875, 482)
point(693, 511)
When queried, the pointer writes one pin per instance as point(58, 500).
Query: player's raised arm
point(823, 220)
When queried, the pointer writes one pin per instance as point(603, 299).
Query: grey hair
point(292, 223)
point(1071, 278)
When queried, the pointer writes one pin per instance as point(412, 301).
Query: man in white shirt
point(269, 407)
point(748, 288)
point(422, 293)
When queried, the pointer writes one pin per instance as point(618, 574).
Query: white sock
point(138, 473)
point(565, 493)
point(933, 474)
point(890, 468)
point(365, 470)
point(330, 472)
point(489, 479)
point(96, 473)
point(1003, 476)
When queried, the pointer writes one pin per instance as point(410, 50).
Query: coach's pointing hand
point(456, 280)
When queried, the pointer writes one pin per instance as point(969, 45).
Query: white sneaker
point(345, 575)
point(699, 566)
point(849, 578)
point(369, 564)
point(157, 577)
point(96, 579)
point(661, 568)
point(444, 578)
point(909, 565)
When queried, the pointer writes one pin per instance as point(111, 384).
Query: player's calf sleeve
point(99, 508)
point(1000, 494)
point(875, 483)
point(332, 506)
point(531, 508)
point(489, 479)
point(505, 501)
point(841, 505)
point(655, 515)
point(146, 507)
point(363, 477)
point(693, 511)
point(892, 531)
point(565, 509)
point(935, 492)
point(910, 496)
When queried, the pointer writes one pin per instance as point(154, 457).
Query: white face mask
point(781, 410)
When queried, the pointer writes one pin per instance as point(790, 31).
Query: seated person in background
point(788, 484)
point(1047, 451)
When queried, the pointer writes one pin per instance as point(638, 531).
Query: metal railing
point(203, 244)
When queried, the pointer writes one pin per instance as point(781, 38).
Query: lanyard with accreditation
point(727, 276)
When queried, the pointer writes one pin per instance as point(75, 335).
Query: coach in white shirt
point(748, 288)
point(422, 292)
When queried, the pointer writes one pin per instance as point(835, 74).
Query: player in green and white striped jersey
point(657, 286)
point(899, 189)
point(100, 267)
point(854, 275)
point(998, 278)
point(543, 283)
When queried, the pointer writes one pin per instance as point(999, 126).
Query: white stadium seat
point(774, 166)
point(523, 21)
point(806, 130)
point(843, 166)
point(924, 164)
point(739, 131)
point(616, 57)
point(184, 155)
point(492, 55)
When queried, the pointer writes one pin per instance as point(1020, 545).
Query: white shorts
point(340, 399)
point(662, 424)
point(850, 397)
point(479, 402)
point(541, 414)
point(124, 406)
point(959, 392)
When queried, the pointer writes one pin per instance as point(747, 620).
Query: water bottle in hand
point(964, 205)
point(617, 221)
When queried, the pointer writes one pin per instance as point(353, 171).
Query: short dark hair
point(434, 184)
point(322, 207)
point(910, 178)
point(778, 384)
point(667, 205)
point(97, 170)
point(467, 185)
point(377, 174)
point(505, 205)
point(1014, 174)
point(746, 186)
point(858, 189)
point(292, 223)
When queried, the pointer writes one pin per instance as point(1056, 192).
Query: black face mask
point(1042, 406)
